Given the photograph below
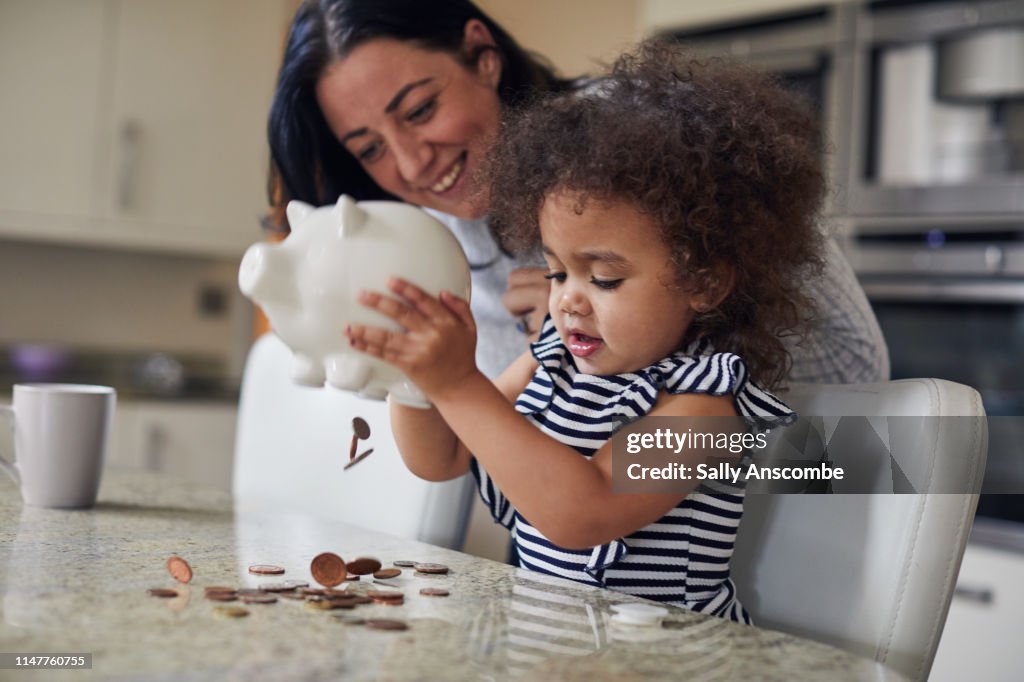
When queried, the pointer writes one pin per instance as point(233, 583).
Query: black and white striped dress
point(681, 559)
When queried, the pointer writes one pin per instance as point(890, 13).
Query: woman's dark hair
point(307, 161)
point(722, 159)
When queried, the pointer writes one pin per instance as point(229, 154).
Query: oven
point(950, 301)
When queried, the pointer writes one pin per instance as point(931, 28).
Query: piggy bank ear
point(352, 217)
point(297, 212)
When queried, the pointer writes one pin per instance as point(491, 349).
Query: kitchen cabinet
point(137, 123)
point(981, 639)
point(191, 441)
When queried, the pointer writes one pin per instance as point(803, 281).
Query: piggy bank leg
point(406, 393)
point(348, 372)
point(307, 371)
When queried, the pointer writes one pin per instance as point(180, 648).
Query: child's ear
point(715, 284)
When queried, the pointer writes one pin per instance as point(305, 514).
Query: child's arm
point(429, 447)
point(564, 495)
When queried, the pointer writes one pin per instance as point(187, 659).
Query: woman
point(401, 99)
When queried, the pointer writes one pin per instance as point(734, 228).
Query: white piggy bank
point(307, 286)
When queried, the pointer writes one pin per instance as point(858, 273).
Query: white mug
point(60, 441)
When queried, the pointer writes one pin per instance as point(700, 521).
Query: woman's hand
point(526, 298)
point(437, 348)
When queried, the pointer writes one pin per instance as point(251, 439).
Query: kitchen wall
point(116, 300)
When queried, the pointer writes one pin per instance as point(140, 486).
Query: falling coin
point(437, 569)
point(386, 573)
point(222, 596)
point(363, 566)
point(179, 569)
point(294, 584)
point(259, 599)
point(230, 611)
point(328, 569)
point(266, 569)
point(348, 620)
point(361, 428)
point(219, 588)
point(358, 459)
point(162, 592)
point(434, 592)
point(277, 587)
point(312, 591)
point(405, 564)
point(386, 624)
point(384, 594)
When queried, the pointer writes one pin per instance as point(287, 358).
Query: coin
point(362, 600)
point(390, 602)
point(295, 583)
point(431, 568)
point(162, 592)
point(384, 594)
point(328, 569)
point(386, 624)
point(230, 611)
point(312, 591)
point(259, 599)
point(386, 573)
point(348, 620)
point(179, 569)
point(363, 566)
point(219, 588)
point(222, 596)
point(361, 428)
point(404, 564)
point(292, 595)
point(266, 569)
point(434, 592)
point(352, 578)
point(277, 587)
point(249, 590)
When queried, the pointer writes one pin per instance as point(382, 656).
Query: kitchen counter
point(75, 582)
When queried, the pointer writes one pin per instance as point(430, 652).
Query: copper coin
point(361, 428)
point(352, 578)
point(404, 564)
point(259, 599)
point(363, 566)
point(362, 600)
point(328, 569)
point(431, 568)
point(390, 602)
point(266, 569)
point(222, 596)
point(249, 590)
point(434, 592)
point(179, 569)
point(348, 620)
point(326, 604)
point(312, 591)
point(386, 573)
point(230, 611)
point(292, 595)
point(219, 588)
point(162, 592)
point(336, 593)
point(386, 624)
point(384, 594)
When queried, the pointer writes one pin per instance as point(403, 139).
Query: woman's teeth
point(448, 180)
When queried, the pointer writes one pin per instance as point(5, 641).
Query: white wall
point(655, 15)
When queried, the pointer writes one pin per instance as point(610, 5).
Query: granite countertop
point(76, 581)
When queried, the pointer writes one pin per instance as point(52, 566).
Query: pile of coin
point(329, 570)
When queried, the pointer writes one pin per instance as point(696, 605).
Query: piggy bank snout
point(256, 273)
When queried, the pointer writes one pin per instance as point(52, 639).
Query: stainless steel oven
point(950, 301)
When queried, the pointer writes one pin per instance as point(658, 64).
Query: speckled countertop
point(76, 581)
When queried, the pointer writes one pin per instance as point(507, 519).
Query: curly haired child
point(675, 202)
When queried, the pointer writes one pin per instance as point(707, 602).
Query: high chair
point(292, 445)
point(870, 573)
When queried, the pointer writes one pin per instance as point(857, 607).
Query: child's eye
point(557, 276)
point(422, 112)
point(606, 283)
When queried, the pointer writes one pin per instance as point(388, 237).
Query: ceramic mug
point(60, 441)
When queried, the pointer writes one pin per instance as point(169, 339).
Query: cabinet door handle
point(980, 595)
point(130, 134)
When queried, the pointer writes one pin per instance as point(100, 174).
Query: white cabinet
point(982, 637)
point(137, 123)
point(190, 441)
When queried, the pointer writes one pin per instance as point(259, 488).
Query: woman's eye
point(422, 112)
point(370, 152)
point(606, 283)
point(557, 276)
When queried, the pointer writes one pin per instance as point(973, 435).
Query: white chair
point(870, 573)
point(293, 442)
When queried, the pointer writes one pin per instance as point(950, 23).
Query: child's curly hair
point(724, 160)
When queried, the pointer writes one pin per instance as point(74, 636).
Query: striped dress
point(681, 559)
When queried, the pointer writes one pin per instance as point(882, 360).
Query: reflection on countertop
point(137, 375)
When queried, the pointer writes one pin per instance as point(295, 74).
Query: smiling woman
point(401, 99)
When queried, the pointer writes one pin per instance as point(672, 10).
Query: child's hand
point(437, 350)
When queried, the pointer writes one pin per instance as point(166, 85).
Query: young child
point(675, 203)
